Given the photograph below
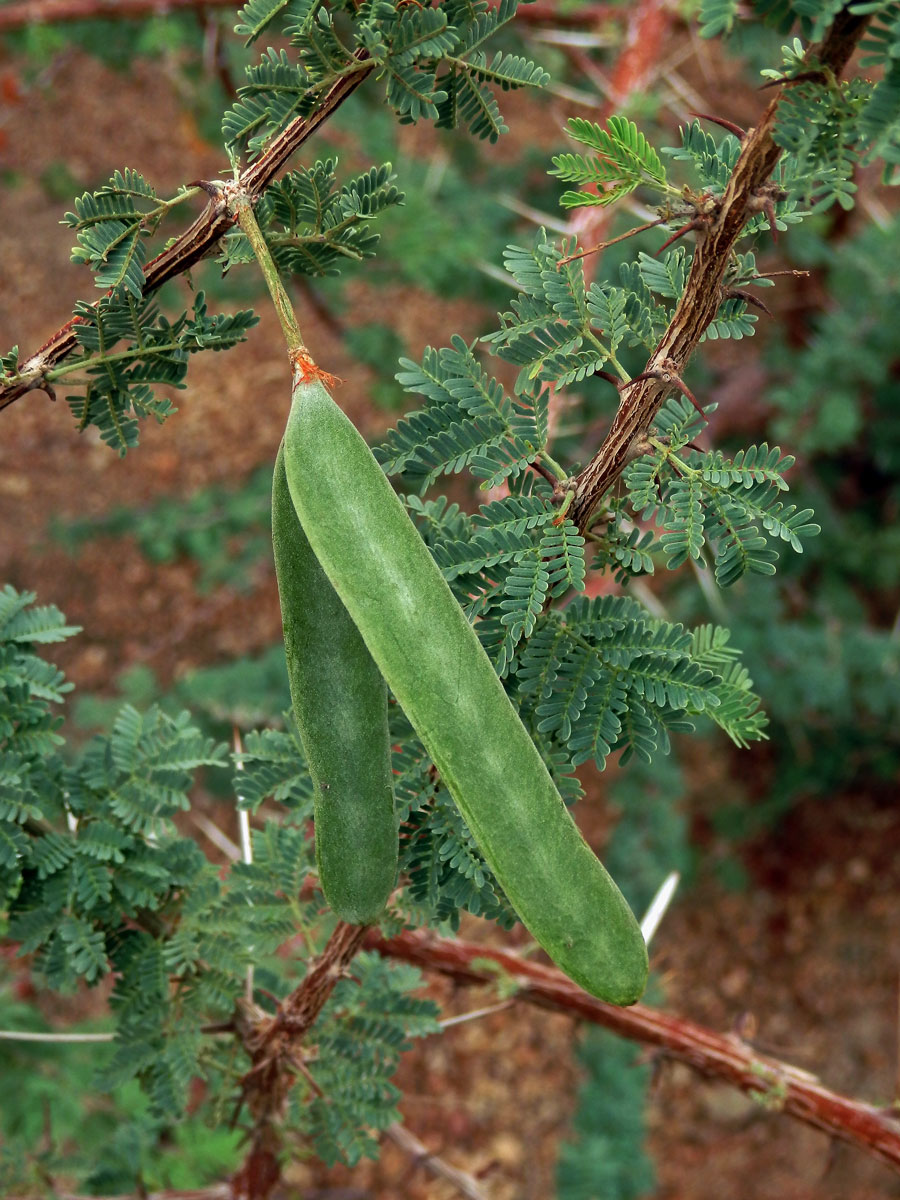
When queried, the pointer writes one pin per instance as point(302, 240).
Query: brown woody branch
point(776, 1084)
point(747, 193)
point(202, 237)
point(275, 1047)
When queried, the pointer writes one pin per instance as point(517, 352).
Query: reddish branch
point(275, 1046)
point(776, 1084)
point(748, 192)
point(635, 70)
point(649, 23)
point(33, 12)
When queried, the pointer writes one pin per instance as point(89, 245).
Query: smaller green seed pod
point(340, 703)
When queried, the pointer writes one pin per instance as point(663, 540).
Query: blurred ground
point(809, 948)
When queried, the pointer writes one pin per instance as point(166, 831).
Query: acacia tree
point(97, 880)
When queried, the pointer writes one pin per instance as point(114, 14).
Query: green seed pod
point(340, 703)
point(433, 662)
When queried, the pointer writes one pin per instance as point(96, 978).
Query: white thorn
point(658, 905)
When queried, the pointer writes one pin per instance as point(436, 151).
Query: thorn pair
point(666, 372)
point(763, 200)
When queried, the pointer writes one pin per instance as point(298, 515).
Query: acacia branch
point(717, 233)
point(421, 1156)
point(202, 237)
point(777, 1085)
point(274, 1044)
point(275, 1047)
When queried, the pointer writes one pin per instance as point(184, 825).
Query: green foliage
point(30, 770)
point(732, 503)
point(103, 884)
point(880, 119)
point(828, 126)
point(312, 226)
point(378, 346)
point(432, 62)
point(365, 1027)
point(114, 1144)
point(9, 364)
point(822, 645)
point(624, 160)
point(254, 18)
point(456, 176)
point(841, 392)
point(313, 223)
point(557, 330)
point(606, 1156)
point(115, 41)
point(821, 129)
point(112, 228)
point(651, 837)
point(717, 17)
point(272, 765)
point(117, 382)
point(470, 422)
point(835, 699)
point(713, 161)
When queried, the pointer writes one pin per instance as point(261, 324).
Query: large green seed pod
point(434, 664)
point(340, 703)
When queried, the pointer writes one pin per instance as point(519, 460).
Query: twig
point(464, 1183)
point(475, 1014)
point(612, 241)
point(729, 125)
point(774, 1083)
point(240, 202)
point(21, 1035)
point(219, 839)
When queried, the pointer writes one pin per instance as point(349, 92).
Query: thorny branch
point(745, 195)
point(202, 237)
point(274, 1044)
point(774, 1083)
point(275, 1047)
